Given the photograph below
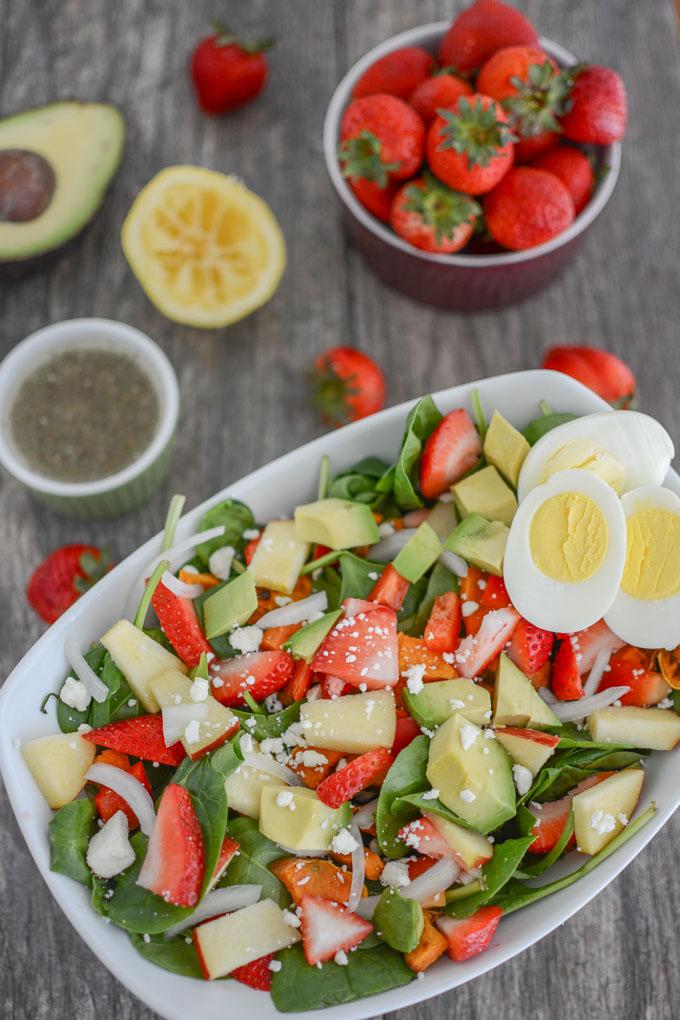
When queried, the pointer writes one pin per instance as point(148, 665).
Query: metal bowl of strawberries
point(471, 157)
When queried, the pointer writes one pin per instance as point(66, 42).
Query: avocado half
point(56, 163)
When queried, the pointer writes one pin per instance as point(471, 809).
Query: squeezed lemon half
point(206, 249)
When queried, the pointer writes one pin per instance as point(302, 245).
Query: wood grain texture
point(243, 391)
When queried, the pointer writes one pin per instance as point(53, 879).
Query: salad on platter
point(317, 754)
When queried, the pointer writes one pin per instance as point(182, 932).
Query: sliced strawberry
point(250, 549)
point(142, 737)
point(107, 801)
point(631, 666)
point(174, 862)
point(565, 680)
point(257, 974)
point(424, 837)
point(180, 624)
point(390, 589)
point(552, 816)
point(471, 935)
point(341, 786)
point(475, 652)
point(362, 647)
point(449, 452)
point(494, 594)
point(328, 928)
point(472, 589)
point(442, 630)
point(590, 642)
point(300, 682)
point(259, 673)
point(406, 731)
point(530, 647)
point(228, 851)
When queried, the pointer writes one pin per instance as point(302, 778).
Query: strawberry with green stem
point(65, 575)
point(348, 385)
point(227, 71)
point(432, 217)
point(470, 147)
point(441, 91)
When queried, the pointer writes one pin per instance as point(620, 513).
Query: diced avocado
point(480, 542)
point(473, 774)
point(56, 162)
point(440, 699)
point(354, 723)
point(419, 553)
point(244, 788)
point(230, 606)
point(295, 818)
point(516, 702)
point(487, 494)
point(505, 448)
point(337, 523)
point(399, 920)
point(279, 557)
point(140, 659)
point(443, 519)
point(303, 644)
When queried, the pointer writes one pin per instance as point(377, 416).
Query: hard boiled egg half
point(625, 449)
point(566, 552)
point(646, 611)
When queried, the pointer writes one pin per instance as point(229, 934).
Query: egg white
point(563, 606)
point(647, 623)
point(640, 444)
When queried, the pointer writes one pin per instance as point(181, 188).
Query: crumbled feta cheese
point(373, 574)
point(220, 562)
point(448, 657)
point(250, 534)
point(282, 600)
point(430, 794)
point(109, 851)
point(285, 799)
point(246, 639)
point(468, 735)
point(192, 732)
point(275, 966)
point(246, 743)
point(273, 703)
point(522, 777)
point(602, 822)
point(622, 818)
point(385, 529)
point(311, 759)
point(467, 796)
point(445, 497)
point(75, 694)
point(489, 734)
point(414, 677)
point(272, 745)
point(456, 703)
point(370, 705)
point(343, 842)
point(395, 875)
point(200, 689)
point(341, 958)
point(666, 703)
point(469, 607)
point(292, 919)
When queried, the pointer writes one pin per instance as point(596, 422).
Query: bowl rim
point(336, 106)
point(72, 333)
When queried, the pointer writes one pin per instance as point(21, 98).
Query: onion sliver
point(358, 867)
point(388, 547)
point(568, 711)
point(597, 672)
point(130, 789)
point(96, 687)
point(264, 763)
point(366, 907)
point(547, 695)
point(453, 562)
point(365, 816)
point(435, 880)
point(176, 555)
point(180, 588)
point(294, 612)
point(219, 901)
point(176, 718)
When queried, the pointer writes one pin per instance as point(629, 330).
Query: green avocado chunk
point(516, 702)
point(419, 553)
point(337, 523)
point(304, 643)
point(440, 699)
point(480, 542)
point(399, 920)
point(505, 448)
point(485, 493)
point(230, 606)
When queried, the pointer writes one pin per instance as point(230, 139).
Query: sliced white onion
point(366, 907)
point(569, 711)
point(181, 588)
point(387, 548)
point(358, 867)
point(453, 562)
point(414, 518)
point(547, 695)
point(597, 671)
point(130, 789)
point(219, 901)
point(264, 763)
point(295, 612)
point(176, 718)
point(433, 881)
point(176, 556)
point(365, 816)
point(96, 687)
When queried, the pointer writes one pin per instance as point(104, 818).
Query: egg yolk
point(652, 568)
point(569, 537)
point(585, 455)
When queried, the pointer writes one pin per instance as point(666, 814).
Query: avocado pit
point(27, 183)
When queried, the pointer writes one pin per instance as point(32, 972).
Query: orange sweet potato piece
point(274, 637)
point(373, 863)
point(414, 652)
point(303, 876)
point(312, 775)
point(432, 945)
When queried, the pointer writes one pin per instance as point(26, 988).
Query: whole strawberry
point(470, 147)
point(527, 208)
point(63, 577)
point(598, 111)
point(348, 385)
point(381, 139)
point(599, 370)
point(442, 90)
point(395, 74)
point(480, 30)
point(432, 217)
point(574, 169)
point(377, 200)
point(228, 72)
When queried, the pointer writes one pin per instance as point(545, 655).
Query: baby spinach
point(546, 861)
point(358, 482)
point(401, 480)
point(403, 805)
point(539, 427)
point(406, 616)
point(406, 776)
point(272, 725)
point(120, 703)
point(298, 986)
point(565, 770)
point(71, 830)
point(176, 955)
point(495, 874)
point(69, 719)
point(355, 579)
point(236, 518)
point(251, 864)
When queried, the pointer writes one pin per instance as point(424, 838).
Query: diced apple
point(515, 702)
point(530, 748)
point(472, 850)
point(58, 764)
point(239, 938)
point(601, 812)
point(216, 723)
point(244, 788)
point(140, 659)
point(655, 728)
point(279, 557)
point(354, 723)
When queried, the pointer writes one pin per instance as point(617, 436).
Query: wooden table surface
point(244, 393)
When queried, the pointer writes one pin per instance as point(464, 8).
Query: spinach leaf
point(71, 829)
point(547, 860)
point(406, 776)
point(330, 582)
point(676, 701)
point(406, 617)
point(175, 955)
point(441, 580)
point(401, 480)
point(355, 580)
point(134, 908)
point(298, 986)
point(359, 481)
point(69, 719)
point(566, 770)
point(539, 427)
point(227, 758)
point(269, 725)
point(495, 874)
point(235, 516)
point(160, 638)
point(516, 894)
point(571, 738)
point(209, 798)
point(117, 705)
point(251, 864)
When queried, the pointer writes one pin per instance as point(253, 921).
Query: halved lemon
point(206, 249)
